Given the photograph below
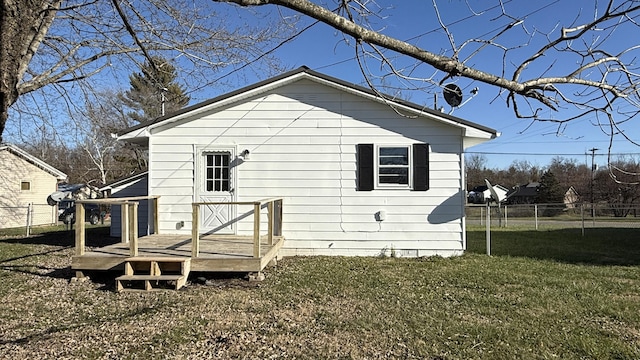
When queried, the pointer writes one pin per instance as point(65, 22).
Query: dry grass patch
point(470, 307)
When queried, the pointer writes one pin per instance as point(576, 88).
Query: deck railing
point(274, 222)
point(129, 220)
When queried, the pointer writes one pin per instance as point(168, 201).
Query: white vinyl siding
point(302, 143)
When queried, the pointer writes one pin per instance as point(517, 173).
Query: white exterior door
point(215, 178)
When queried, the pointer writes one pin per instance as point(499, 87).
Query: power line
point(546, 154)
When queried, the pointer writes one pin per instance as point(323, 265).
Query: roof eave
point(123, 181)
point(474, 138)
point(139, 137)
point(470, 130)
point(59, 175)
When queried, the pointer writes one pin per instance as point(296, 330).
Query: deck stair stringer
point(152, 272)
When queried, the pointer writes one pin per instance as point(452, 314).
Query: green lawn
point(550, 294)
point(598, 246)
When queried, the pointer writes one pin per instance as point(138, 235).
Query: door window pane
point(217, 174)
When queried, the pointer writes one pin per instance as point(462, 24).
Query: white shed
point(359, 174)
point(135, 185)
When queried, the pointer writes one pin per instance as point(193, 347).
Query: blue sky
point(323, 49)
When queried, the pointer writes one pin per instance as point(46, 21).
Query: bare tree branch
point(571, 71)
point(66, 44)
point(133, 34)
point(541, 89)
point(446, 64)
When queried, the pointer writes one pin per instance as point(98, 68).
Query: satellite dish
point(452, 95)
point(56, 197)
point(50, 201)
point(494, 195)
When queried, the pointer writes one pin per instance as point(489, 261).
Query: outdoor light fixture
point(245, 154)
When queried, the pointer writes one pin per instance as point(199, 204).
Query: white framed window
point(393, 166)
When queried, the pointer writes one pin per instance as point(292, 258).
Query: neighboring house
point(131, 186)
point(480, 194)
point(528, 194)
point(523, 194)
point(359, 174)
point(24, 180)
point(571, 198)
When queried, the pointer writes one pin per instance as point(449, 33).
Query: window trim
point(377, 167)
point(367, 168)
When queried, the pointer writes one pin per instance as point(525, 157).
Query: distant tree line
point(617, 185)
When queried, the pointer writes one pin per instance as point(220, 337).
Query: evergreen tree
point(150, 87)
point(550, 192)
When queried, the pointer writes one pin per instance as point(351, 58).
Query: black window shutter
point(421, 167)
point(365, 167)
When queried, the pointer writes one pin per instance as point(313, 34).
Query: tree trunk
point(8, 73)
point(23, 26)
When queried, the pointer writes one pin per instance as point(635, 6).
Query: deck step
point(153, 271)
point(150, 277)
point(158, 258)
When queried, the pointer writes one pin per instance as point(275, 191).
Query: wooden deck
point(218, 253)
point(206, 253)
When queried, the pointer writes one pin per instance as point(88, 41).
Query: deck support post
point(256, 230)
point(80, 235)
point(195, 234)
point(277, 217)
point(133, 228)
point(124, 223)
point(270, 222)
point(156, 221)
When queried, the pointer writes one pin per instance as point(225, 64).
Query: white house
point(359, 174)
point(24, 180)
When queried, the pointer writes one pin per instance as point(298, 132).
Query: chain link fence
point(546, 216)
point(26, 217)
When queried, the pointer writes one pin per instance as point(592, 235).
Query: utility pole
point(163, 98)
point(593, 169)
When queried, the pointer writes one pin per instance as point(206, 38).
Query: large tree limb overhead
point(542, 89)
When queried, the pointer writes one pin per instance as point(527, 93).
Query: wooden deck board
point(217, 253)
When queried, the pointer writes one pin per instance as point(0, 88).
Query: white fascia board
point(126, 181)
point(139, 133)
point(472, 137)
